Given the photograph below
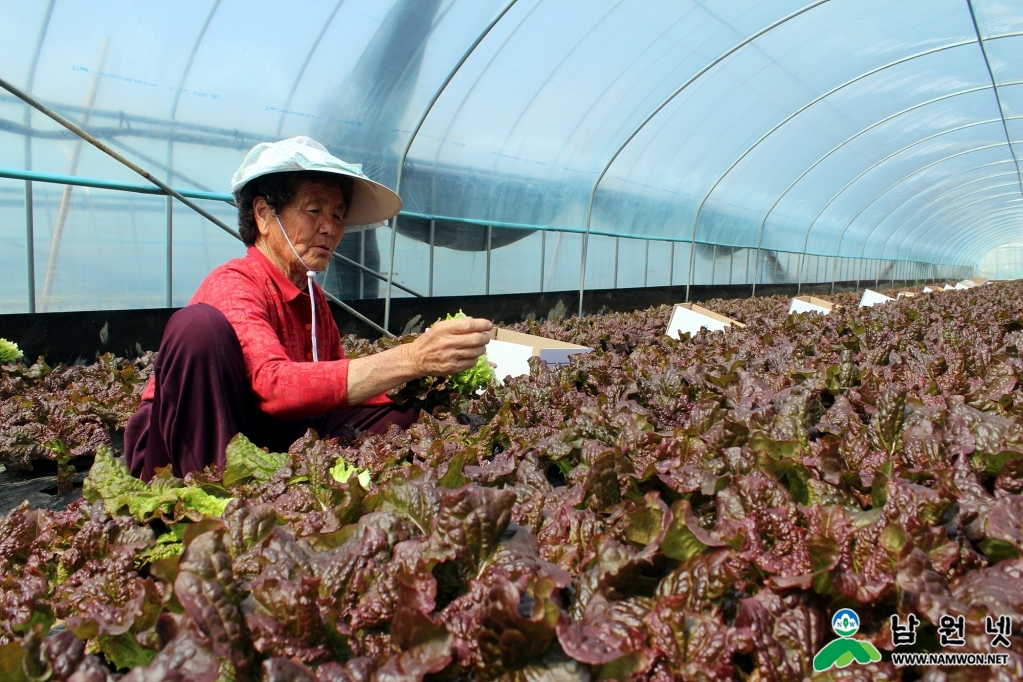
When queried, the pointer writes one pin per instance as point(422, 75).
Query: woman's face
point(315, 223)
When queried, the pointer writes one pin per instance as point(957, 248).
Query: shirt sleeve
point(283, 388)
point(150, 390)
point(335, 348)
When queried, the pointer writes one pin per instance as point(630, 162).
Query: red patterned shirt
point(272, 319)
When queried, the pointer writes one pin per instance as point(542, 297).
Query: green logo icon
point(840, 652)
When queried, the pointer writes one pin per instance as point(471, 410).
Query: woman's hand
point(450, 346)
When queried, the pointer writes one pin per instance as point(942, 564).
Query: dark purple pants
point(203, 399)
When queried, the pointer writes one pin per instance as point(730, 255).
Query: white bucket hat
point(372, 203)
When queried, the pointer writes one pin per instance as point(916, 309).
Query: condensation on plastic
point(13, 262)
point(1002, 262)
point(858, 128)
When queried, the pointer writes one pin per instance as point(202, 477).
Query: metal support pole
point(691, 277)
point(415, 132)
point(490, 231)
point(543, 256)
point(799, 273)
point(757, 256)
point(390, 274)
point(731, 263)
point(169, 237)
point(756, 272)
point(30, 238)
point(646, 263)
point(714, 266)
point(671, 263)
point(30, 246)
point(617, 243)
point(582, 266)
point(433, 249)
point(362, 261)
point(170, 252)
point(689, 271)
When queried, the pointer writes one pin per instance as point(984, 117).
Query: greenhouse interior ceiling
point(537, 145)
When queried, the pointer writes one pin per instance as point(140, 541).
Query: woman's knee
point(203, 330)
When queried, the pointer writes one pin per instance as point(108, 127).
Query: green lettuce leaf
point(165, 496)
point(167, 545)
point(201, 501)
point(480, 375)
point(246, 460)
point(9, 352)
point(123, 651)
point(341, 471)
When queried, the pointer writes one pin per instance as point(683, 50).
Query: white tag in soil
point(810, 304)
point(872, 298)
point(511, 351)
point(691, 318)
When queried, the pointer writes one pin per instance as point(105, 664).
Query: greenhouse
point(511, 340)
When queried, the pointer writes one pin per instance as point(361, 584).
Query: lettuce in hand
point(9, 351)
point(480, 375)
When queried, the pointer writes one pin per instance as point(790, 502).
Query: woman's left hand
point(449, 347)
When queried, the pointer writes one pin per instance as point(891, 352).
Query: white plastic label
point(801, 306)
point(512, 359)
point(872, 298)
point(685, 320)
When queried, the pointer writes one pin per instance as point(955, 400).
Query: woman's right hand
point(450, 346)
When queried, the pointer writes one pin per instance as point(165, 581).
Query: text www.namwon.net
point(950, 659)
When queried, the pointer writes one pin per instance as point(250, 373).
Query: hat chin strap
point(312, 279)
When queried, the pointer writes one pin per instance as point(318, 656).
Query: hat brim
point(372, 203)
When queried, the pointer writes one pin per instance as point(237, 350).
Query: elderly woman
point(256, 350)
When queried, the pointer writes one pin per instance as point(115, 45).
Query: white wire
point(312, 278)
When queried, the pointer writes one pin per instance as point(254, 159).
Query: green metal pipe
point(36, 176)
point(16, 174)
